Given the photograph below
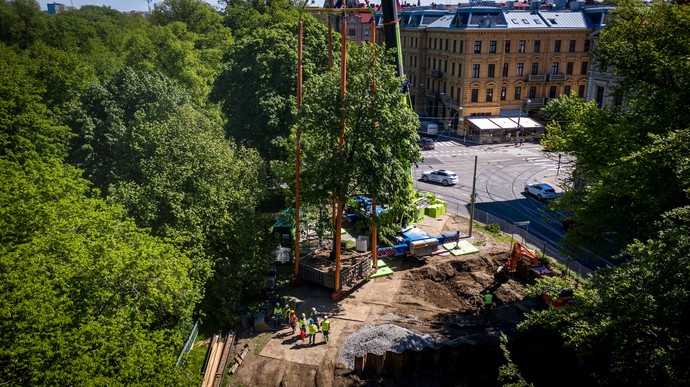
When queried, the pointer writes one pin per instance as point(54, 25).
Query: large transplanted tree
point(380, 134)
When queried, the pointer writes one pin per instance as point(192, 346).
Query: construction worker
point(292, 320)
point(286, 313)
point(277, 315)
point(314, 316)
point(325, 327)
point(303, 327)
point(488, 300)
point(312, 332)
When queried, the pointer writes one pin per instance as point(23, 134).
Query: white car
point(541, 191)
point(440, 176)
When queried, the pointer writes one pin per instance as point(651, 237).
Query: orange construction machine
point(524, 262)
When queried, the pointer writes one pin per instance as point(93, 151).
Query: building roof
point(488, 16)
point(564, 19)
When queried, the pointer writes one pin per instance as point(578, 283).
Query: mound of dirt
point(458, 284)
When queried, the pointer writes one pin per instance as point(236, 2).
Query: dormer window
point(525, 21)
point(552, 21)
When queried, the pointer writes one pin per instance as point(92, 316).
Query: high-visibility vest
point(312, 329)
point(325, 325)
point(277, 311)
point(303, 323)
point(488, 299)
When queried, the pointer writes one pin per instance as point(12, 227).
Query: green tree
point(630, 324)
point(87, 296)
point(380, 134)
point(629, 160)
point(149, 148)
point(257, 87)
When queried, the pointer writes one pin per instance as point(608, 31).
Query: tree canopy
point(631, 160)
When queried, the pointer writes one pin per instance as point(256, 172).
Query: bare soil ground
point(441, 296)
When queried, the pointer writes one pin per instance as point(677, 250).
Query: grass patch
point(260, 341)
point(195, 358)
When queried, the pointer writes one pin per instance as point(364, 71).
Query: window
point(507, 47)
point(581, 91)
point(553, 92)
point(452, 68)
point(477, 46)
point(492, 47)
point(583, 68)
point(537, 45)
point(445, 66)
point(455, 45)
point(446, 46)
point(521, 46)
point(462, 46)
point(587, 43)
point(532, 91)
point(566, 90)
point(475, 71)
point(520, 69)
point(452, 91)
point(489, 95)
point(505, 70)
point(430, 42)
point(352, 32)
point(557, 46)
point(459, 69)
point(525, 21)
point(535, 68)
point(569, 68)
point(571, 47)
point(553, 21)
point(491, 70)
point(503, 93)
point(428, 62)
point(475, 95)
point(434, 62)
point(600, 96)
point(555, 68)
point(518, 92)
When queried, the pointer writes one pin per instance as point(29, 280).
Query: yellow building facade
point(489, 61)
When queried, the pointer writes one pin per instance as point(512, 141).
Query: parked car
point(427, 144)
point(440, 176)
point(541, 191)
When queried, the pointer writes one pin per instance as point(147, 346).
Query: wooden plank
point(220, 372)
point(211, 365)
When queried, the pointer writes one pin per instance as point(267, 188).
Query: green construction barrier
point(435, 210)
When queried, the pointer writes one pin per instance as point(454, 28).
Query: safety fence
point(576, 259)
point(189, 343)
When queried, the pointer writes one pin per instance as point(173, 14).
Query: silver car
point(440, 176)
point(541, 191)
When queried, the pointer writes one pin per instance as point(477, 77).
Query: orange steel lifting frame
point(338, 202)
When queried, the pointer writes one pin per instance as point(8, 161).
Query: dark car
point(427, 144)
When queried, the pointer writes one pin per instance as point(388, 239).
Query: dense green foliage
point(257, 86)
point(631, 162)
point(380, 134)
point(630, 325)
point(125, 211)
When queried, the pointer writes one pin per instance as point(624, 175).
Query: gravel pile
point(381, 338)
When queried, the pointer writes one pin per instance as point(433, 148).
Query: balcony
point(557, 77)
point(437, 74)
point(536, 78)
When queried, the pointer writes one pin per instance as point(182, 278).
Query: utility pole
point(298, 155)
point(474, 186)
point(558, 169)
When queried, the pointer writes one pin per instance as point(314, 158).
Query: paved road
point(502, 173)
